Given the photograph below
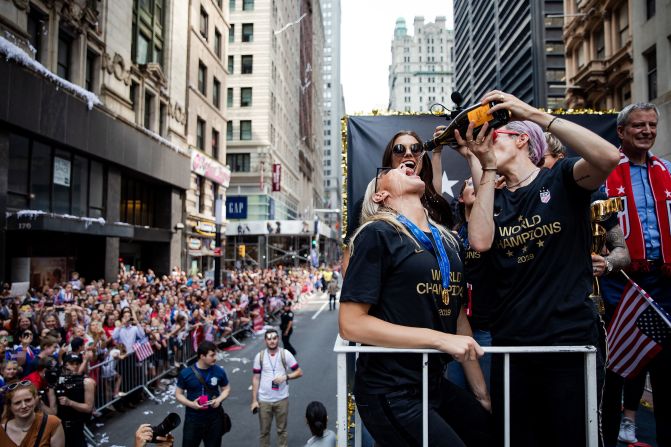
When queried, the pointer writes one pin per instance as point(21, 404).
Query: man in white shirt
point(273, 368)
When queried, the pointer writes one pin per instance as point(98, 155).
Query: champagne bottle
point(476, 113)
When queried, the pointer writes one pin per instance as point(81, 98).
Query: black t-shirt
point(287, 317)
point(541, 262)
point(403, 284)
point(478, 294)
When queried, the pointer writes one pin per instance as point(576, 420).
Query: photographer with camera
point(75, 395)
point(201, 389)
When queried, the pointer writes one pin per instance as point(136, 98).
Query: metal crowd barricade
point(342, 348)
point(135, 375)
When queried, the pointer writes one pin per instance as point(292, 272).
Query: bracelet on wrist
point(547, 128)
point(488, 169)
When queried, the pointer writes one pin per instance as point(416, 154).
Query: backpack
point(282, 357)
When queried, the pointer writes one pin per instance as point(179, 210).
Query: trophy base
point(598, 302)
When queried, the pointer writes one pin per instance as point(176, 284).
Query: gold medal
point(446, 297)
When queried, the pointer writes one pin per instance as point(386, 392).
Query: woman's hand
point(519, 110)
point(461, 347)
point(481, 147)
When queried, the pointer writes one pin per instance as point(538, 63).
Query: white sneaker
point(627, 431)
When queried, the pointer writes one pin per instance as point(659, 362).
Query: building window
point(36, 27)
point(134, 88)
point(202, 78)
point(651, 61)
point(650, 9)
point(247, 63)
point(91, 71)
point(245, 130)
point(162, 119)
point(204, 18)
point(238, 162)
point(64, 55)
point(216, 93)
point(217, 43)
point(229, 97)
point(248, 32)
point(231, 33)
point(147, 45)
point(599, 44)
point(148, 109)
point(230, 64)
point(215, 144)
point(229, 130)
point(623, 25)
point(248, 5)
point(231, 5)
point(200, 194)
point(200, 134)
point(245, 97)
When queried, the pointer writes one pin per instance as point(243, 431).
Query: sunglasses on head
point(379, 172)
point(400, 149)
point(13, 386)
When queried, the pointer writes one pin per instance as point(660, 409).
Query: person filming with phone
point(201, 389)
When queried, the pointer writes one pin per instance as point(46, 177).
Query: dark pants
point(332, 301)
point(287, 344)
point(209, 430)
point(456, 419)
point(74, 434)
point(547, 399)
point(618, 391)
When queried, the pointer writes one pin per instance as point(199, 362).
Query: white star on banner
point(668, 194)
point(448, 184)
point(620, 190)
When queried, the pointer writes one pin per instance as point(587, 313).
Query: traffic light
point(241, 250)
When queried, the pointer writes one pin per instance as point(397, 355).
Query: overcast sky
point(367, 31)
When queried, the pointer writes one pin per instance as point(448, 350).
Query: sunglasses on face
point(400, 149)
point(496, 132)
point(13, 386)
point(379, 173)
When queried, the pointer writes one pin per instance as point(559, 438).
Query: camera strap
point(199, 376)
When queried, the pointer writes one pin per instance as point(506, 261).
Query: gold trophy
point(600, 211)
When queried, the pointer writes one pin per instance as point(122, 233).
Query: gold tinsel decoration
point(376, 112)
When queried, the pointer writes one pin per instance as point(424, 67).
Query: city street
point(313, 337)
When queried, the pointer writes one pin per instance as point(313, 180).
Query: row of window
point(201, 196)
point(245, 128)
point(246, 64)
point(202, 85)
point(204, 31)
point(247, 33)
point(245, 97)
point(247, 5)
point(201, 129)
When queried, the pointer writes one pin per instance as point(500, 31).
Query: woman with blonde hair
point(22, 425)
point(404, 289)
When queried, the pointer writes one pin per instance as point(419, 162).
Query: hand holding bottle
point(481, 147)
point(519, 110)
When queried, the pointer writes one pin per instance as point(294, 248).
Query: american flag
point(142, 349)
point(636, 332)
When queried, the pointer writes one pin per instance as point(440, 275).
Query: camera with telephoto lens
point(66, 384)
point(168, 424)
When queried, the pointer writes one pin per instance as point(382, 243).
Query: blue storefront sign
point(236, 207)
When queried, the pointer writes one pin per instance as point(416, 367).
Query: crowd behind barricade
point(134, 331)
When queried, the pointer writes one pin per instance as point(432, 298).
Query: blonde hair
point(372, 211)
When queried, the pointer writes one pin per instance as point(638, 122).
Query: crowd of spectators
point(104, 322)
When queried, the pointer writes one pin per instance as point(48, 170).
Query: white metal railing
point(342, 348)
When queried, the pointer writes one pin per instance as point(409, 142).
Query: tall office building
point(206, 79)
point(334, 108)
point(512, 45)
point(275, 125)
point(93, 157)
point(421, 70)
point(615, 55)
